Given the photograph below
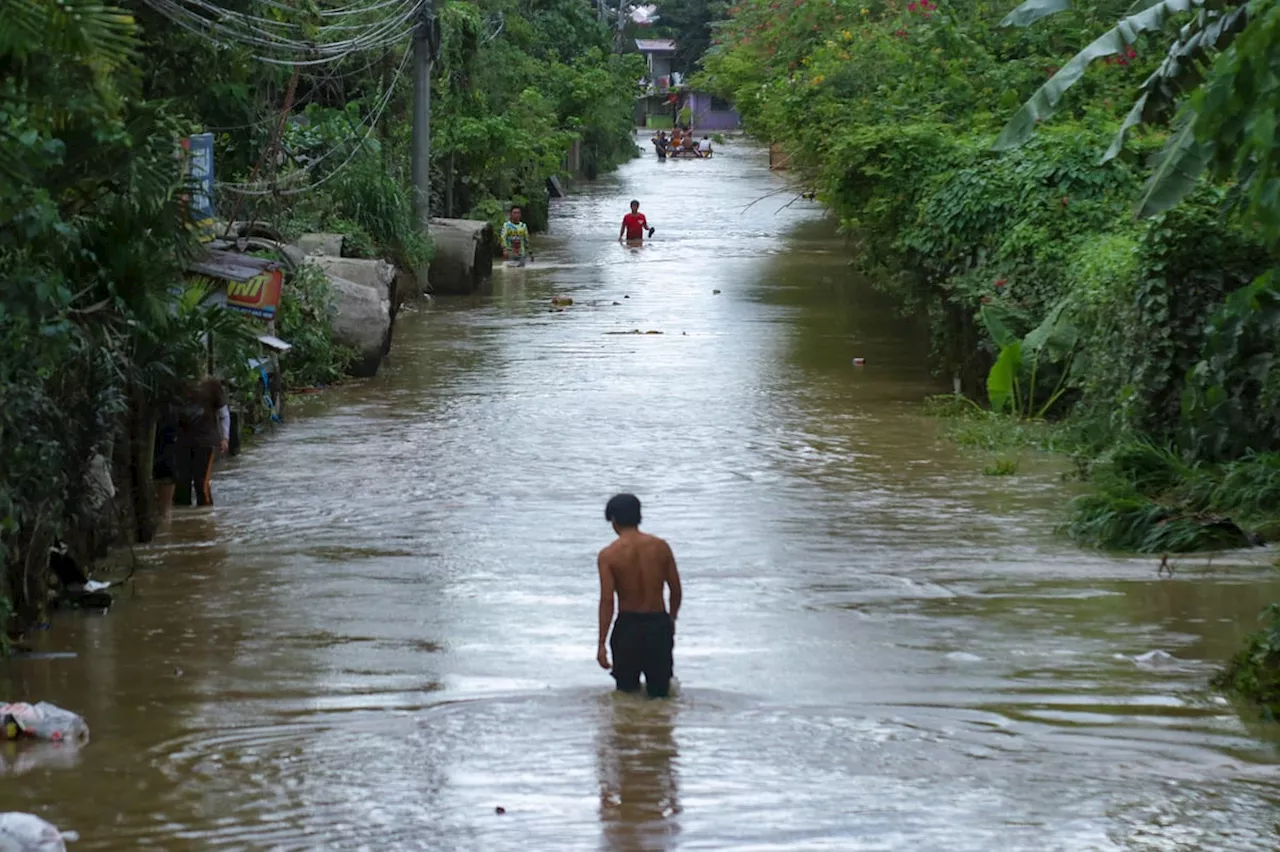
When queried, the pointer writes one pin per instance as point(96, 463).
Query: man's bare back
point(634, 569)
point(640, 565)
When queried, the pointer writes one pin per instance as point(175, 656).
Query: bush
point(305, 320)
point(1253, 673)
point(1149, 499)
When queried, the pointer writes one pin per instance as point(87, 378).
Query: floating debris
point(29, 833)
point(561, 301)
point(859, 362)
point(1156, 659)
point(963, 657)
point(634, 331)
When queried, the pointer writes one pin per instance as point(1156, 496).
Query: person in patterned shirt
point(515, 239)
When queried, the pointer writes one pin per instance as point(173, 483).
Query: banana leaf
point(1002, 381)
point(1055, 335)
point(1183, 160)
point(1033, 10)
point(1182, 69)
point(996, 319)
point(1044, 102)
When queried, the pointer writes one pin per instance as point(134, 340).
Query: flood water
point(385, 630)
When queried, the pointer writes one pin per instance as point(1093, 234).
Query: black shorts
point(641, 644)
point(165, 466)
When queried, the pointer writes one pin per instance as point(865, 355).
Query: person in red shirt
point(634, 225)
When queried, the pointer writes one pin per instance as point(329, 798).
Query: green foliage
point(691, 23)
point(1253, 673)
point(356, 241)
point(305, 320)
point(1236, 112)
point(1114, 42)
point(1039, 286)
point(1231, 402)
point(91, 240)
point(1012, 382)
point(509, 108)
point(1149, 499)
point(379, 203)
point(1001, 467)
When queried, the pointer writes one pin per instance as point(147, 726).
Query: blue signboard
point(199, 173)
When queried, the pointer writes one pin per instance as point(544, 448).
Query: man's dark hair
point(635, 203)
point(516, 207)
point(623, 510)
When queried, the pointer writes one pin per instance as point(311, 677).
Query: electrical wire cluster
point(318, 39)
point(293, 179)
point(298, 36)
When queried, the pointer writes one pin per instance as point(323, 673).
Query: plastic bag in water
point(28, 833)
point(43, 721)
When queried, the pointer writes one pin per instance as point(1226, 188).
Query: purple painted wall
point(706, 118)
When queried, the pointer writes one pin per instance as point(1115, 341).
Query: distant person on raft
point(635, 568)
point(634, 225)
point(515, 239)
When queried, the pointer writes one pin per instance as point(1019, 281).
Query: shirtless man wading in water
point(636, 567)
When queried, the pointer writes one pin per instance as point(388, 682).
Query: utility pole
point(426, 43)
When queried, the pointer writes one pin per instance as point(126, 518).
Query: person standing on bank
point(204, 431)
point(635, 568)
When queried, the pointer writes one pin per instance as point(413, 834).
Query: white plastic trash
point(28, 833)
point(43, 721)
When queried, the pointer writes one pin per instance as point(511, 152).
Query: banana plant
point(1214, 27)
point(1012, 380)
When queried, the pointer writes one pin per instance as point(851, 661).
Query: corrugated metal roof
point(230, 266)
point(655, 45)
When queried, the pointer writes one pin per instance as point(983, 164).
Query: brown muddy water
point(386, 628)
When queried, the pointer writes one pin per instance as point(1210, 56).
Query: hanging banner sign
point(259, 296)
point(198, 169)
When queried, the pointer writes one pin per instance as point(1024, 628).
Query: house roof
point(655, 45)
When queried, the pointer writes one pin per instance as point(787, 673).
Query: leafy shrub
point(305, 320)
point(1001, 467)
point(1231, 402)
point(356, 241)
point(1149, 499)
point(1253, 673)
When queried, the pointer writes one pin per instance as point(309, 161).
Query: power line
point(374, 118)
point(223, 27)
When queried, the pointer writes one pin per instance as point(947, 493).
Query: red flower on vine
point(1000, 283)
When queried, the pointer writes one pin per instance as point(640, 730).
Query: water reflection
point(639, 787)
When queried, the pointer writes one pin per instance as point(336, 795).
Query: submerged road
point(385, 630)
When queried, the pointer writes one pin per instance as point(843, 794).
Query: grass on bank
point(1148, 499)
point(1144, 498)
